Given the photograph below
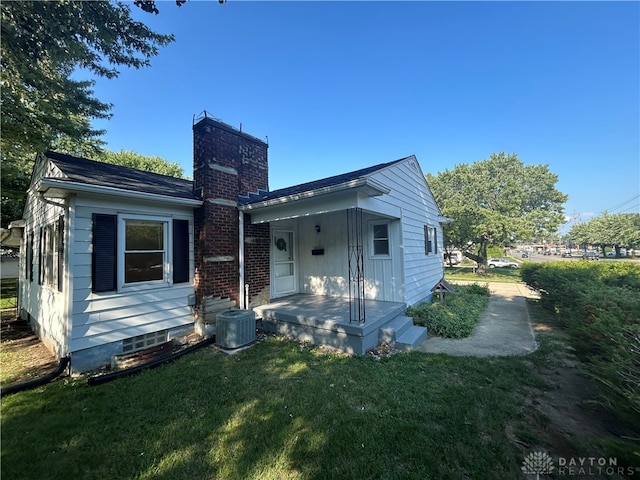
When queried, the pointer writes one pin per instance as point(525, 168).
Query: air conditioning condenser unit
point(235, 328)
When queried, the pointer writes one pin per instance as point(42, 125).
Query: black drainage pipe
point(36, 382)
point(107, 377)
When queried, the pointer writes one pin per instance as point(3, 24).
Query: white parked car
point(502, 263)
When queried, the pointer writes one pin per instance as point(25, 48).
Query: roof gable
point(90, 172)
point(324, 183)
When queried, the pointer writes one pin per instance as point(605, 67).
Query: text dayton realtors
point(593, 466)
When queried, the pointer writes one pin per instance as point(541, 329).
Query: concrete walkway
point(503, 329)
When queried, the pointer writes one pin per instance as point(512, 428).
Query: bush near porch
point(598, 304)
point(457, 315)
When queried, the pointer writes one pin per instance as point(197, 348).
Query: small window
point(28, 261)
point(430, 240)
point(141, 342)
point(143, 252)
point(435, 240)
point(52, 247)
point(380, 239)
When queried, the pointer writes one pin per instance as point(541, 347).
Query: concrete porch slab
point(323, 320)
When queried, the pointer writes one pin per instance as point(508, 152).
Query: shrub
point(599, 304)
point(457, 316)
point(477, 289)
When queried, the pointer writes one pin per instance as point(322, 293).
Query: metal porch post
point(355, 245)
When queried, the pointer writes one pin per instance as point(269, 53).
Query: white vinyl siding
point(100, 318)
point(40, 295)
point(409, 191)
point(406, 274)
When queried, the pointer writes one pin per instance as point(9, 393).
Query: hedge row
point(599, 304)
point(457, 316)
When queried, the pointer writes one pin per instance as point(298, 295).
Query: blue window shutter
point(104, 253)
point(180, 251)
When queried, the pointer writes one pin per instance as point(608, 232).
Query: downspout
point(241, 292)
point(67, 284)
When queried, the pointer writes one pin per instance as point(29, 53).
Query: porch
point(324, 320)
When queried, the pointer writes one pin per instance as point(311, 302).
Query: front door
point(284, 262)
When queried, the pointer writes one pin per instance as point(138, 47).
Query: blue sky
point(338, 86)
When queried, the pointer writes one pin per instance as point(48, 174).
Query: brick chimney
point(227, 163)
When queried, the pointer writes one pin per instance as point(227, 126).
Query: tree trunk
point(481, 258)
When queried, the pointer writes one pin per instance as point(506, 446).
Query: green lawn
point(282, 410)
point(507, 275)
point(277, 410)
point(8, 293)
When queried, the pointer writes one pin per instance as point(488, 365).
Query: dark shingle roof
point(315, 185)
point(90, 172)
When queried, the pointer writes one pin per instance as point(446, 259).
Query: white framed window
point(144, 252)
point(51, 254)
point(140, 342)
point(380, 242)
point(430, 240)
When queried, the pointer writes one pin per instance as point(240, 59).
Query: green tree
point(618, 231)
point(45, 47)
point(581, 234)
point(131, 159)
point(497, 201)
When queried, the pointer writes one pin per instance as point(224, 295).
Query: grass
point(507, 275)
point(8, 293)
point(281, 410)
point(277, 410)
point(12, 361)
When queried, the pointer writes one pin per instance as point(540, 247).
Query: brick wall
point(227, 163)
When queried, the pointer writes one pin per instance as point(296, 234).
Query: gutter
point(47, 184)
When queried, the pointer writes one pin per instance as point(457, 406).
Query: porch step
point(412, 338)
point(391, 331)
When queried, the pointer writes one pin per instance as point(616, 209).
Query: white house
point(381, 220)
point(107, 263)
point(372, 237)
point(115, 259)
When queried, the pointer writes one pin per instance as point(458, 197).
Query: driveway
point(503, 329)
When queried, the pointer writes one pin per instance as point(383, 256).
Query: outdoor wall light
point(317, 228)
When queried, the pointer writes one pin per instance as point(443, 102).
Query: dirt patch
point(23, 356)
point(564, 418)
